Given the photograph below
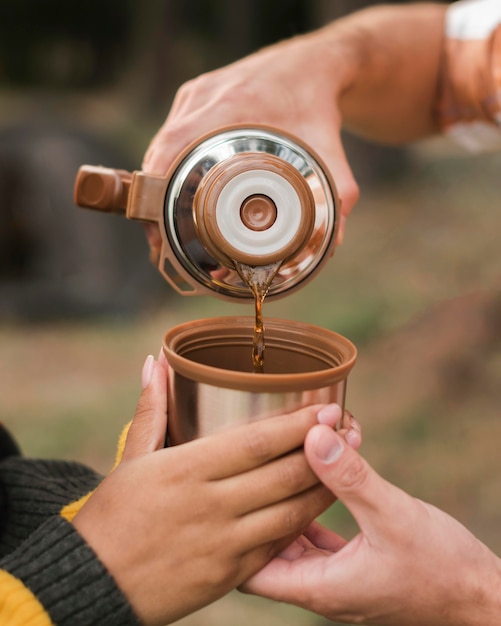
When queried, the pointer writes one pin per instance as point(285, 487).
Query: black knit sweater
point(47, 571)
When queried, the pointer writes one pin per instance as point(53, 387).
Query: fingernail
point(329, 414)
point(355, 424)
point(353, 438)
point(161, 356)
point(147, 157)
point(147, 370)
point(328, 447)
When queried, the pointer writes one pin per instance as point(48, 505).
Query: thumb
point(148, 428)
point(372, 501)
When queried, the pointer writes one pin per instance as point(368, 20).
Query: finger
point(352, 432)
point(353, 423)
point(280, 579)
point(324, 538)
point(172, 139)
point(296, 549)
point(348, 427)
point(283, 521)
point(160, 155)
point(154, 239)
point(148, 428)
point(314, 538)
point(373, 502)
point(243, 448)
point(176, 137)
point(328, 144)
point(289, 577)
point(330, 414)
point(269, 483)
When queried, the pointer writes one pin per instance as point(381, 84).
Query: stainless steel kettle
point(248, 195)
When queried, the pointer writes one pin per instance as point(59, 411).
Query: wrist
point(338, 54)
point(388, 56)
point(66, 580)
point(480, 603)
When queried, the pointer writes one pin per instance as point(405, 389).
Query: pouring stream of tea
point(258, 279)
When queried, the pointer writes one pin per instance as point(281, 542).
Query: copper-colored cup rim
point(338, 353)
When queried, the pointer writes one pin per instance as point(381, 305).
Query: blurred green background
point(415, 284)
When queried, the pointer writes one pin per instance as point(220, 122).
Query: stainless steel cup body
point(197, 409)
point(212, 385)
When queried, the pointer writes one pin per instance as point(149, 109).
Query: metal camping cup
point(239, 195)
point(212, 385)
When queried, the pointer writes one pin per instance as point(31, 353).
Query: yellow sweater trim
point(121, 445)
point(70, 510)
point(18, 606)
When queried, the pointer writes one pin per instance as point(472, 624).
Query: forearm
point(385, 68)
point(48, 574)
